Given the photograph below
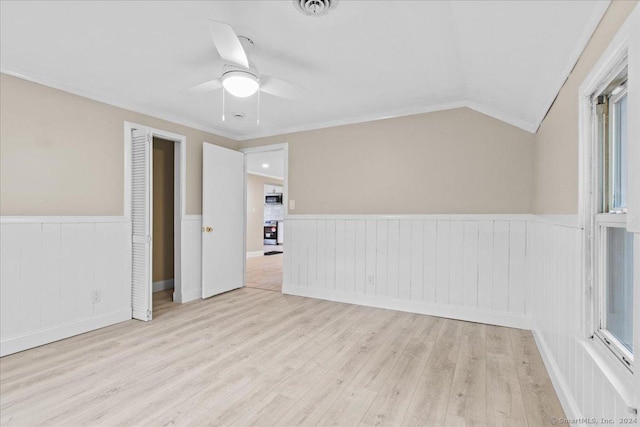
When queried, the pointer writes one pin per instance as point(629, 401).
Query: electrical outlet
point(97, 296)
point(371, 279)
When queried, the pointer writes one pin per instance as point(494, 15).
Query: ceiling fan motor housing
point(315, 7)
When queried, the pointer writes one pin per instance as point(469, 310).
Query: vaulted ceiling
point(363, 60)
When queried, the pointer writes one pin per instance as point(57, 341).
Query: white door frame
point(179, 192)
point(284, 147)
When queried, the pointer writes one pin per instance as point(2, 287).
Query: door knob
point(207, 229)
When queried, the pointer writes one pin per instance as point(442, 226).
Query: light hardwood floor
point(251, 357)
point(265, 272)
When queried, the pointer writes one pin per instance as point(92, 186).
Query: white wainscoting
point(53, 269)
point(191, 259)
point(469, 267)
point(554, 263)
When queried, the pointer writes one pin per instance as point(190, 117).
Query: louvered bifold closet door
point(141, 224)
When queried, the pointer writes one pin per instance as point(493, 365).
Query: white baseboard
point(563, 391)
point(163, 285)
point(255, 254)
point(24, 342)
point(448, 311)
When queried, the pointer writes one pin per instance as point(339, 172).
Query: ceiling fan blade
point(227, 43)
point(283, 89)
point(204, 87)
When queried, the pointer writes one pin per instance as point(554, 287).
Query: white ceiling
point(362, 61)
point(275, 160)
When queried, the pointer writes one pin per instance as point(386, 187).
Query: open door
point(141, 205)
point(223, 214)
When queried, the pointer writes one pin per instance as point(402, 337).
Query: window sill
point(619, 376)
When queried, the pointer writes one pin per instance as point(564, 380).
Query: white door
point(141, 205)
point(223, 214)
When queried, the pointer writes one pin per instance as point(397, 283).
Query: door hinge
point(149, 239)
point(148, 314)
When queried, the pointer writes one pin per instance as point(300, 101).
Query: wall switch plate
point(292, 205)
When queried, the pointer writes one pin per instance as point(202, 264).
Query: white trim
point(600, 73)
point(163, 285)
point(45, 81)
point(356, 119)
point(255, 254)
point(284, 147)
point(587, 32)
point(24, 342)
point(492, 112)
point(264, 175)
point(620, 378)
point(62, 219)
point(570, 221)
point(532, 127)
point(448, 217)
point(624, 44)
point(265, 148)
point(502, 116)
point(567, 399)
point(446, 311)
point(180, 175)
point(192, 218)
point(180, 192)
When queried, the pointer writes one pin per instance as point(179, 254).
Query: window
point(613, 247)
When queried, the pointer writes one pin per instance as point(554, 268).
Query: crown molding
point(14, 72)
point(497, 114)
point(355, 120)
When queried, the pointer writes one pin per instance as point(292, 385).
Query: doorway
point(154, 203)
point(163, 230)
point(266, 192)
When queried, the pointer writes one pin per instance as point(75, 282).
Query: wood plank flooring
point(250, 357)
point(265, 272)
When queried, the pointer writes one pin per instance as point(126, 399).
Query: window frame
point(596, 215)
point(624, 47)
point(605, 221)
point(609, 195)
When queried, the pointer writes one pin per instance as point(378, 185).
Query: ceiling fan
point(240, 77)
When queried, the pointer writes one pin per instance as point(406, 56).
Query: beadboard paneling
point(50, 272)
point(460, 267)
point(554, 262)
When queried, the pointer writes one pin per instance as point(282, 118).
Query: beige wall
point(62, 154)
point(255, 209)
point(455, 161)
point(556, 143)
point(163, 204)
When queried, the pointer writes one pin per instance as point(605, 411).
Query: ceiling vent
point(315, 7)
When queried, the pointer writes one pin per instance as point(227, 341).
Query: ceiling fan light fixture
point(240, 83)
